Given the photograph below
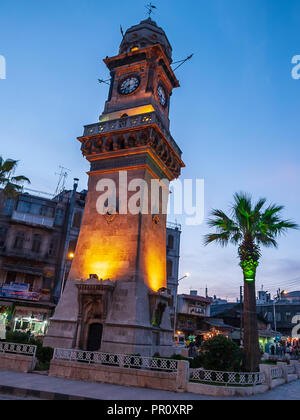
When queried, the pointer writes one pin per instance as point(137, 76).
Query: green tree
point(11, 184)
point(249, 227)
point(221, 354)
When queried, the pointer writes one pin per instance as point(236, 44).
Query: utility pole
point(59, 285)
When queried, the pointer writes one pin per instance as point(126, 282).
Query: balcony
point(131, 122)
point(33, 219)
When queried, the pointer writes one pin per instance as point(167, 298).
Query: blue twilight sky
point(236, 115)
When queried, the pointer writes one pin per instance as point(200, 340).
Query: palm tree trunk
point(251, 344)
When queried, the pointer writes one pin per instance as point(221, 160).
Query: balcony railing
point(131, 122)
point(33, 219)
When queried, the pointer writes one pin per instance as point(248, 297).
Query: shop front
point(32, 321)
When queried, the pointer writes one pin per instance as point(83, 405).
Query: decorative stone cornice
point(144, 130)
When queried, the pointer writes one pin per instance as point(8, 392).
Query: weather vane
point(150, 7)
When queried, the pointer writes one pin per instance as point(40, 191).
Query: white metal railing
point(227, 378)
point(276, 372)
point(119, 360)
point(33, 219)
point(26, 349)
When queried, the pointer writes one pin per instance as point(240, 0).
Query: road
point(107, 392)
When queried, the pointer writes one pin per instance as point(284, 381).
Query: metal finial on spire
point(150, 7)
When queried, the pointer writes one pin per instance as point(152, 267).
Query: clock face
point(129, 85)
point(162, 95)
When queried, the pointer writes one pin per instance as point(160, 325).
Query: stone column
point(183, 375)
point(283, 366)
point(266, 370)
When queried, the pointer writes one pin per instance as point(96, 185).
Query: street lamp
point(175, 314)
point(70, 257)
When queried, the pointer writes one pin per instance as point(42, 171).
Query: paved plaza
point(87, 390)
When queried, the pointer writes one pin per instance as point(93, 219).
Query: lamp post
point(175, 312)
point(70, 257)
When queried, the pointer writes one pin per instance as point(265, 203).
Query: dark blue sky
point(236, 115)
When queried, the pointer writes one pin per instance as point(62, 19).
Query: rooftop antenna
point(63, 175)
point(150, 7)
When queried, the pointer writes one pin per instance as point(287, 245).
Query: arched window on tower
point(169, 268)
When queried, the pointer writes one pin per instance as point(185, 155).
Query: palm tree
point(11, 185)
point(249, 227)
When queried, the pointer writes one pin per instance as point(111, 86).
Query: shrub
point(44, 354)
point(221, 354)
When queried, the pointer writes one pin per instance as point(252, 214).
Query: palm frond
point(259, 205)
point(20, 179)
point(220, 238)
point(8, 165)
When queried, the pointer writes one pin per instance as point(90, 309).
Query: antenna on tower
point(150, 7)
point(122, 32)
point(63, 175)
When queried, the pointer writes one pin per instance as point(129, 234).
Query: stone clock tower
point(115, 299)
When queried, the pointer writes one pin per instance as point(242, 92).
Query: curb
point(43, 395)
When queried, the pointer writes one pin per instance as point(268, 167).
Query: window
point(77, 220)
point(19, 240)
point(3, 233)
point(52, 248)
point(29, 279)
point(171, 242)
point(34, 206)
point(9, 206)
point(169, 268)
point(10, 277)
point(59, 217)
point(36, 243)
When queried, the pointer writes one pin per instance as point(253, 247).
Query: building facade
point(192, 313)
point(33, 235)
point(281, 313)
point(173, 256)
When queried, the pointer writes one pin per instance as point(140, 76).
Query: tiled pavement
point(37, 386)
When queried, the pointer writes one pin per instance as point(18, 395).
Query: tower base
point(98, 322)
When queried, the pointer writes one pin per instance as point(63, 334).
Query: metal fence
point(118, 360)
point(227, 378)
point(25, 349)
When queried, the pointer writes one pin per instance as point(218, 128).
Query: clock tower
point(115, 299)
